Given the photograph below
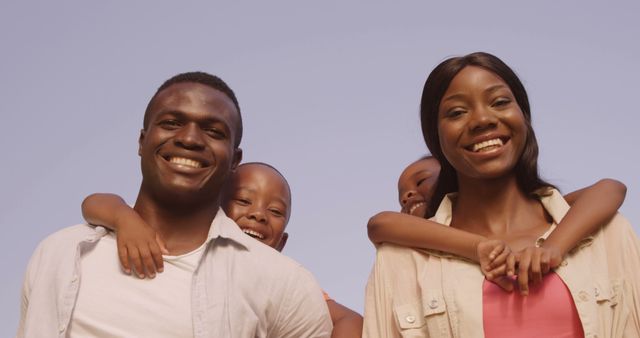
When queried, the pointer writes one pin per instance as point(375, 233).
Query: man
point(218, 281)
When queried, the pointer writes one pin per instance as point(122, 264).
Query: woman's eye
point(454, 113)
point(501, 102)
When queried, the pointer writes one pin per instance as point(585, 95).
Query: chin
point(181, 193)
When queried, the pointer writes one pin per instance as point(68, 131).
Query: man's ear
point(283, 241)
point(237, 158)
point(140, 139)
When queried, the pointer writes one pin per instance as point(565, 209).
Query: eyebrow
point(453, 97)
point(253, 191)
point(182, 115)
point(495, 88)
point(427, 173)
point(460, 96)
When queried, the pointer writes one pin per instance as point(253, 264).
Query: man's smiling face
point(188, 148)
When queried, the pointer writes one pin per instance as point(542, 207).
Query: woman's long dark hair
point(526, 169)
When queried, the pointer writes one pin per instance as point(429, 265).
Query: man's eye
point(170, 124)
point(215, 133)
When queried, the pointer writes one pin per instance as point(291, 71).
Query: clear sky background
point(329, 91)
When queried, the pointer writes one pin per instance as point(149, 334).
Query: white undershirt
point(113, 304)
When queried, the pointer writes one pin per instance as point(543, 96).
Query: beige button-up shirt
point(415, 293)
point(240, 288)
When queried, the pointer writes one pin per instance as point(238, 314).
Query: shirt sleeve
point(26, 290)
point(304, 312)
point(378, 306)
point(624, 257)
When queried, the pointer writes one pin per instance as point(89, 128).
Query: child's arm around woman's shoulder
point(417, 232)
point(591, 208)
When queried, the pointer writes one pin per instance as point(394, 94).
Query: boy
point(257, 197)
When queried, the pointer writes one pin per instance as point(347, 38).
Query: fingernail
point(153, 275)
point(160, 269)
point(127, 271)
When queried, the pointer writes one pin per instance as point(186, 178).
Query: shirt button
point(61, 328)
point(410, 319)
point(74, 279)
point(597, 292)
point(564, 263)
point(433, 303)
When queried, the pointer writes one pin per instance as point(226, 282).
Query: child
point(411, 228)
point(257, 198)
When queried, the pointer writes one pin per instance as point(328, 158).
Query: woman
point(476, 122)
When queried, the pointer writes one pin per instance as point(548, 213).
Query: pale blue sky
point(329, 92)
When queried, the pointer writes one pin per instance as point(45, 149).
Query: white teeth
point(496, 142)
point(252, 233)
point(415, 206)
point(185, 162)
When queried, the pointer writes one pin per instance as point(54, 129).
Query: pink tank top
point(548, 311)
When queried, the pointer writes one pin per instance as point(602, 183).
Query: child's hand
point(492, 256)
point(532, 263)
point(139, 244)
point(556, 256)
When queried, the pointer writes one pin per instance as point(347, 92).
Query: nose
point(190, 137)
point(483, 118)
point(258, 215)
point(404, 199)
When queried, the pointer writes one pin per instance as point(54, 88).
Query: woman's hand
point(139, 245)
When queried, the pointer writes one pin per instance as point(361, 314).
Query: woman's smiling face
point(482, 130)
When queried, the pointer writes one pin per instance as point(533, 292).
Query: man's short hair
point(204, 79)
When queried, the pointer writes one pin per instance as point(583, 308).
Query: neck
point(496, 208)
point(182, 224)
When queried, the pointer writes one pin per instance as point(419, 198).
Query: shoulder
point(73, 234)
point(396, 263)
point(254, 254)
point(388, 253)
point(64, 242)
point(619, 232)
point(274, 263)
point(619, 226)
point(55, 254)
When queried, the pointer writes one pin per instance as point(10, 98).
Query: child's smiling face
point(416, 185)
point(259, 201)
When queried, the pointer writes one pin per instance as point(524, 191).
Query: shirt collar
point(551, 200)
point(224, 227)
